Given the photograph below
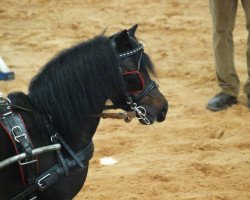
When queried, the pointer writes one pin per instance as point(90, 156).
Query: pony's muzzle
point(162, 114)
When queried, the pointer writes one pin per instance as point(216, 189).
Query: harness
point(15, 129)
point(57, 172)
point(133, 104)
point(27, 158)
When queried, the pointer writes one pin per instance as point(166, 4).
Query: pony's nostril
point(162, 115)
point(165, 109)
point(164, 112)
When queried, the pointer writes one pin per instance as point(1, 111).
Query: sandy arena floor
point(195, 154)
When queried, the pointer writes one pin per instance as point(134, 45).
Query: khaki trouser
point(223, 18)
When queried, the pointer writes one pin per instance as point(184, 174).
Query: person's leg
point(5, 73)
point(223, 17)
point(246, 7)
point(3, 66)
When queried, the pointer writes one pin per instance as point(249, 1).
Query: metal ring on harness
point(39, 181)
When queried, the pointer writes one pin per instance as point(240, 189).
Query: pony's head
point(142, 93)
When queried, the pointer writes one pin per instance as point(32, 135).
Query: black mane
point(146, 61)
point(74, 85)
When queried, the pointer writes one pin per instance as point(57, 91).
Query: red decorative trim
point(141, 79)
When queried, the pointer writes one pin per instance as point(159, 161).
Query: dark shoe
point(221, 101)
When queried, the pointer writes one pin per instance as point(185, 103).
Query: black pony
point(66, 96)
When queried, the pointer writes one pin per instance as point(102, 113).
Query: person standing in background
point(223, 18)
point(5, 73)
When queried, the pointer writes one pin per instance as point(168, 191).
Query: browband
point(131, 52)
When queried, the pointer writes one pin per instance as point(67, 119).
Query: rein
point(17, 107)
point(126, 116)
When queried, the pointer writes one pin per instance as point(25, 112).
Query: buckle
point(53, 137)
point(28, 162)
point(19, 136)
point(41, 186)
point(7, 113)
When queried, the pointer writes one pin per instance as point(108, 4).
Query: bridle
point(134, 100)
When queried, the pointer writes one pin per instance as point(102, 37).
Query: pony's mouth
point(161, 117)
point(152, 117)
point(145, 123)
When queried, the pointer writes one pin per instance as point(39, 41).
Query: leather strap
point(18, 133)
point(68, 149)
point(150, 87)
point(56, 172)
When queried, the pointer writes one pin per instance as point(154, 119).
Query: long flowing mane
point(75, 84)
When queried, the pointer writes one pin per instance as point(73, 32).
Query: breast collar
point(16, 131)
point(15, 128)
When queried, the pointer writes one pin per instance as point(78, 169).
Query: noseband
point(140, 110)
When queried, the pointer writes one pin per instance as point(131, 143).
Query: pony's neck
point(74, 86)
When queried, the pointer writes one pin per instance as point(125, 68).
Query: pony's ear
point(132, 30)
point(121, 39)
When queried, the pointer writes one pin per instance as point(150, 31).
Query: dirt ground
point(195, 154)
